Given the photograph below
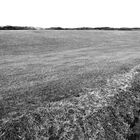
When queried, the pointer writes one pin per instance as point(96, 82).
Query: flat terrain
point(41, 66)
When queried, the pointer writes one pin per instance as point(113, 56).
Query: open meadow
point(39, 67)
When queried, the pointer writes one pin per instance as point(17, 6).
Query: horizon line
point(18, 27)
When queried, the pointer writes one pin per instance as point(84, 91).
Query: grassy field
point(37, 67)
point(40, 66)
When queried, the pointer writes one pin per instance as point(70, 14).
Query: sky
point(70, 13)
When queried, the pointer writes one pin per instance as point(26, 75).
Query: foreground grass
point(45, 75)
point(109, 113)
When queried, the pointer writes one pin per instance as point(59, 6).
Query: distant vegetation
point(8, 27)
point(90, 28)
point(110, 28)
point(16, 28)
point(79, 28)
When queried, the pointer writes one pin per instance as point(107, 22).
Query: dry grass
point(56, 71)
point(100, 114)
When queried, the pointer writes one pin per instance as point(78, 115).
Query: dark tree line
point(90, 28)
point(8, 27)
point(16, 28)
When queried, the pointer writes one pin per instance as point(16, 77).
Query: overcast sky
point(70, 13)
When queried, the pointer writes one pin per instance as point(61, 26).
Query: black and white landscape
point(69, 70)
